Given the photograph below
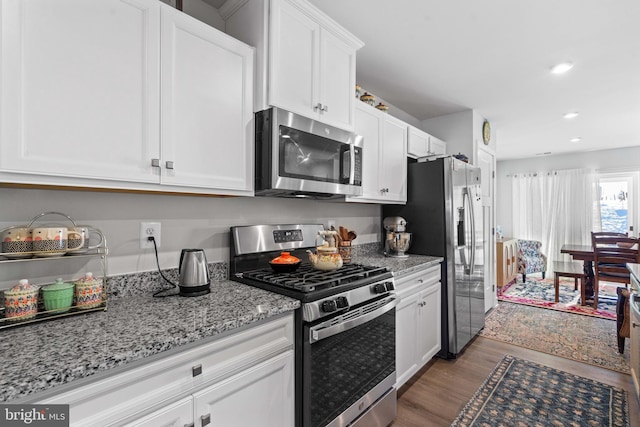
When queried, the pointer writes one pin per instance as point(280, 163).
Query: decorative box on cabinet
point(421, 144)
point(506, 260)
point(384, 157)
point(150, 109)
point(418, 334)
point(306, 62)
point(207, 383)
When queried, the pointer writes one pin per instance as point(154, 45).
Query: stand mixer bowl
point(398, 243)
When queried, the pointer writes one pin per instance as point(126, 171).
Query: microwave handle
point(352, 164)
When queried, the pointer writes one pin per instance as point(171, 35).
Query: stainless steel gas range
point(345, 327)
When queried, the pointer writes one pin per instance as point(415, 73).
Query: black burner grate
point(306, 279)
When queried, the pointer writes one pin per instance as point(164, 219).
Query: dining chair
point(611, 255)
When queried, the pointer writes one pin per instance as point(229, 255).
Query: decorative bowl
point(58, 297)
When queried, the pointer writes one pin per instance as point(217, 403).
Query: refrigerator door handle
point(472, 257)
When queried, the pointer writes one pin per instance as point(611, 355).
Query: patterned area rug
point(586, 339)
point(541, 293)
point(522, 393)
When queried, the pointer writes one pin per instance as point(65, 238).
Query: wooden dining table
point(585, 254)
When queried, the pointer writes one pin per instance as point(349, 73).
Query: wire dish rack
point(41, 268)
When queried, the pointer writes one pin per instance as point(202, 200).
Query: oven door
point(349, 365)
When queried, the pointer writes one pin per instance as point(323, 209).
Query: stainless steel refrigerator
point(444, 213)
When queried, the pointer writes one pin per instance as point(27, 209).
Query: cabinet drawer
point(152, 385)
point(424, 277)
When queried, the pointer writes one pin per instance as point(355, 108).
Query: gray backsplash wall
point(186, 221)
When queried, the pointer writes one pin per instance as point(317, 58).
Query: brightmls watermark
point(34, 415)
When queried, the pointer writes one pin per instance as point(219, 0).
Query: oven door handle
point(328, 329)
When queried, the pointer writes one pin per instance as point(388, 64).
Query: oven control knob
point(380, 288)
point(342, 302)
point(390, 286)
point(329, 306)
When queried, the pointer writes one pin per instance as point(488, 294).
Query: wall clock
point(486, 132)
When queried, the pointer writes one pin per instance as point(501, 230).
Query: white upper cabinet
point(384, 156)
point(79, 84)
point(421, 144)
point(306, 63)
point(87, 100)
point(207, 111)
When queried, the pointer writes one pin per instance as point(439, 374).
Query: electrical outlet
point(148, 229)
point(331, 223)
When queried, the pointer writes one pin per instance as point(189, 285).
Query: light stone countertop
point(37, 357)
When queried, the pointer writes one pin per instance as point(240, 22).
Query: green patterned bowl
point(58, 297)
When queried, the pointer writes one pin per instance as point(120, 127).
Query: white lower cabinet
point(418, 321)
point(243, 379)
point(267, 386)
point(177, 414)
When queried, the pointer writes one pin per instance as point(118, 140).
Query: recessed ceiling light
point(571, 115)
point(576, 139)
point(561, 68)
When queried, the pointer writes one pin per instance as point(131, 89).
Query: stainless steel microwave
point(300, 157)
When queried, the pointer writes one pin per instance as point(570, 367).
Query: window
point(618, 202)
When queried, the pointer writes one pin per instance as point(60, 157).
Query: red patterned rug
point(541, 293)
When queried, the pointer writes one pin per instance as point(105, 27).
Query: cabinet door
point(207, 106)
point(294, 41)
point(178, 414)
point(79, 84)
point(394, 160)
point(429, 323)
point(418, 143)
point(406, 338)
point(337, 81)
point(368, 125)
point(437, 146)
point(261, 395)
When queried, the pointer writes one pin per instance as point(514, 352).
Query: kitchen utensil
point(194, 273)
point(397, 240)
point(351, 235)
point(88, 292)
point(17, 242)
point(89, 234)
point(21, 301)
point(285, 263)
point(326, 257)
point(53, 241)
point(58, 297)
point(344, 249)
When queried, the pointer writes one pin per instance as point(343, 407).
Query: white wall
point(606, 160)
point(186, 221)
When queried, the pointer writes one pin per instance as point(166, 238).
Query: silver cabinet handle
point(318, 106)
point(155, 163)
point(169, 165)
point(634, 324)
point(325, 108)
point(205, 419)
point(196, 370)
point(189, 425)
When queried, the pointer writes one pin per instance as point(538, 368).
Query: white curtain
point(556, 208)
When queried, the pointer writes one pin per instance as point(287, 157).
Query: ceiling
point(430, 58)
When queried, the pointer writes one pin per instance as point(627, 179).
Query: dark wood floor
point(436, 394)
